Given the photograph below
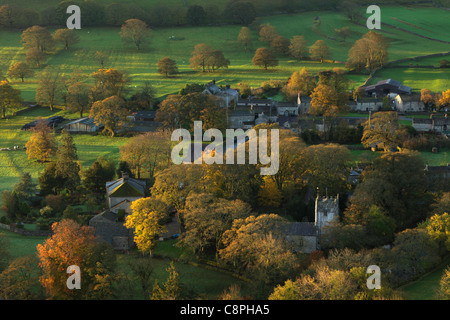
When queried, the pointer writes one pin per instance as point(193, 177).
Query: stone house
point(120, 193)
point(241, 119)
point(287, 109)
point(440, 125)
point(109, 225)
point(228, 97)
point(110, 228)
point(408, 103)
point(366, 104)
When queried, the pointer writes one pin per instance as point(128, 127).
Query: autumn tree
point(167, 66)
point(396, 184)
point(78, 97)
point(35, 57)
point(438, 227)
point(324, 167)
point(143, 98)
point(319, 51)
point(267, 33)
point(174, 184)
point(298, 47)
point(206, 218)
point(207, 58)
point(68, 37)
point(182, 110)
point(20, 70)
point(329, 97)
point(265, 58)
point(147, 153)
point(11, 15)
point(109, 82)
point(245, 38)
point(300, 82)
point(343, 33)
point(200, 55)
point(146, 221)
point(368, 53)
point(110, 113)
point(257, 246)
point(42, 143)
point(445, 99)
point(10, 98)
point(427, 97)
point(382, 130)
point(50, 86)
point(67, 167)
point(37, 37)
point(135, 31)
point(444, 285)
point(280, 44)
point(20, 281)
point(73, 244)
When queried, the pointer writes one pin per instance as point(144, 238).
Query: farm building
point(440, 125)
point(384, 87)
point(82, 125)
point(408, 103)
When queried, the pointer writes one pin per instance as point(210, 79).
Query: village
point(244, 150)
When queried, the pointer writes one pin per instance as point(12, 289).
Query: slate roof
point(301, 229)
point(86, 121)
point(124, 187)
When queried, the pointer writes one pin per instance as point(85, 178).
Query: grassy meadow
point(141, 65)
point(15, 162)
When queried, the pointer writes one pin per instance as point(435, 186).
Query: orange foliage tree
point(73, 244)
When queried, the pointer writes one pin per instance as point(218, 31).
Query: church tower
point(327, 210)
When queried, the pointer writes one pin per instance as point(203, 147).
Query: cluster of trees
point(207, 59)
point(296, 47)
point(435, 101)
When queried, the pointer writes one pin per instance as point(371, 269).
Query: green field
point(141, 65)
point(437, 80)
point(13, 163)
point(425, 288)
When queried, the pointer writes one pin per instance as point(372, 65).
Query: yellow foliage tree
point(42, 144)
point(145, 219)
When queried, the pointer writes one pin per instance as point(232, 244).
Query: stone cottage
point(109, 225)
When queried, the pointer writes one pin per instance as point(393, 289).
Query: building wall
point(305, 244)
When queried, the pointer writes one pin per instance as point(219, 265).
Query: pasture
point(15, 162)
point(141, 66)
